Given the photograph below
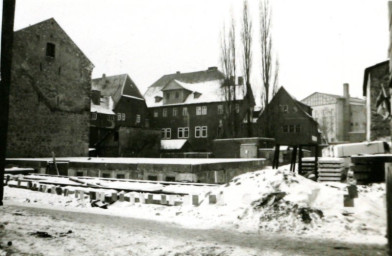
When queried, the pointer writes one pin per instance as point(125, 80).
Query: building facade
point(118, 113)
point(288, 121)
point(340, 118)
point(49, 94)
point(195, 107)
point(375, 89)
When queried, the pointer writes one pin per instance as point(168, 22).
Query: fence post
point(388, 182)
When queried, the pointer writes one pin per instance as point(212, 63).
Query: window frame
point(220, 109)
point(164, 112)
point(175, 111)
point(183, 131)
point(94, 116)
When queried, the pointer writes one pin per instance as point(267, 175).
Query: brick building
point(195, 106)
point(340, 118)
point(375, 87)
point(49, 94)
point(118, 113)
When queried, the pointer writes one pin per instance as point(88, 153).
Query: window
point(204, 131)
point(120, 176)
point(201, 110)
point(50, 50)
point(147, 123)
point(170, 178)
point(237, 108)
point(220, 109)
point(175, 110)
point(284, 108)
point(291, 128)
point(183, 132)
point(177, 95)
point(198, 111)
point(164, 112)
point(168, 96)
point(285, 128)
point(105, 175)
point(184, 111)
point(115, 136)
point(297, 128)
point(201, 132)
point(123, 116)
point(156, 113)
point(111, 118)
point(138, 119)
point(79, 174)
point(152, 177)
point(166, 133)
point(204, 110)
point(93, 116)
point(118, 116)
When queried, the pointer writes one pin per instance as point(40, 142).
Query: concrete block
point(102, 196)
point(352, 191)
point(150, 198)
point(142, 199)
point(195, 200)
point(19, 183)
point(132, 198)
point(81, 195)
point(348, 201)
point(171, 199)
point(53, 190)
point(212, 199)
point(121, 196)
point(108, 199)
point(163, 199)
point(114, 197)
point(29, 184)
point(93, 195)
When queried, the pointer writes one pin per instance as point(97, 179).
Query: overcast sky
point(320, 44)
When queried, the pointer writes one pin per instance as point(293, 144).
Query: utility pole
point(7, 33)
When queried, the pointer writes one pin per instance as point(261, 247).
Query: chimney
point(104, 80)
point(212, 68)
point(178, 72)
point(96, 97)
point(346, 91)
point(240, 80)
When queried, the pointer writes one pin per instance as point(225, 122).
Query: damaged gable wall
point(49, 94)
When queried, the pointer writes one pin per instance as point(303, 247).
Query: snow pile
point(280, 201)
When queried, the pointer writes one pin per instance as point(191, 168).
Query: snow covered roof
point(207, 83)
point(116, 86)
point(105, 106)
point(175, 144)
point(205, 92)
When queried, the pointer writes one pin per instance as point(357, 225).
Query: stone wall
point(49, 95)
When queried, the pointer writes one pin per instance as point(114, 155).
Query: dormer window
point(158, 98)
point(196, 95)
point(50, 50)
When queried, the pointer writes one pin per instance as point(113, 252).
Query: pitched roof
point(52, 21)
point(367, 72)
point(207, 85)
point(305, 109)
point(116, 86)
point(105, 106)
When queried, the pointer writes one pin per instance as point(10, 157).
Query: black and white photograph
point(196, 128)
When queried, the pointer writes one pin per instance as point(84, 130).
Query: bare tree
point(246, 37)
point(267, 59)
point(229, 67)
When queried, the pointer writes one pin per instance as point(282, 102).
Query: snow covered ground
point(258, 202)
